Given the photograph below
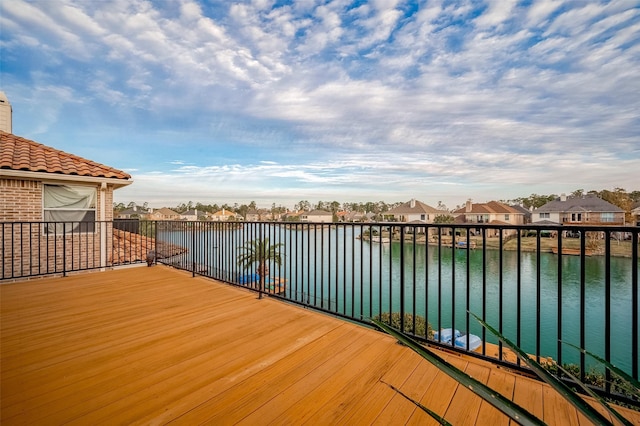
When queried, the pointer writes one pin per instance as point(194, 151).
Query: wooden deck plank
point(298, 403)
point(465, 404)
point(155, 346)
point(503, 382)
point(527, 393)
point(556, 411)
point(372, 397)
point(257, 391)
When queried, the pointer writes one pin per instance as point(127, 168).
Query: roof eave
point(54, 177)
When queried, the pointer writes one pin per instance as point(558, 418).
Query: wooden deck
point(156, 346)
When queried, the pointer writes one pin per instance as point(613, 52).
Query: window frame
point(54, 227)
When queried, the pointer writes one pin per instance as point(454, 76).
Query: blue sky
point(283, 101)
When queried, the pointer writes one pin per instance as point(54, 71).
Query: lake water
point(332, 269)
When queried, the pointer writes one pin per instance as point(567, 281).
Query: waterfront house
point(413, 211)
point(526, 213)
point(252, 215)
point(134, 212)
point(39, 183)
point(635, 214)
point(350, 216)
point(317, 216)
point(223, 215)
point(163, 214)
point(190, 215)
point(584, 210)
point(493, 212)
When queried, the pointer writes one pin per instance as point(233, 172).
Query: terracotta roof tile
point(18, 153)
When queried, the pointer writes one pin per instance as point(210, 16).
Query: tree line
point(618, 196)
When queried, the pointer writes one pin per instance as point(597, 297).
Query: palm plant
point(261, 252)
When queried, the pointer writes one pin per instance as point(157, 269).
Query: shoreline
point(571, 246)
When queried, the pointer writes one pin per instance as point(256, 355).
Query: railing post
point(193, 250)
point(261, 271)
point(402, 296)
point(64, 249)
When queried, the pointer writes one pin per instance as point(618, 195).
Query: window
point(545, 215)
point(73, 208)
point(422, 217)
point(607, 217)
point(576, 217)
point(506, 217)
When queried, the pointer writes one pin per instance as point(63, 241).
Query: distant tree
point(620, 198)
point(444, 218)
point(535, 200)
point(243, 210)
point(303, 205)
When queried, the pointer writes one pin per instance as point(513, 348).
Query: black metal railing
point(537, 285)
point(32, 249)
point(540, 286)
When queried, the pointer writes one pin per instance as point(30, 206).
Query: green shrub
point(421, 324)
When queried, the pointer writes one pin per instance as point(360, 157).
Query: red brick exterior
point(28, 250)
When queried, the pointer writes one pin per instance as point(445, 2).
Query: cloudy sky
point(282, 101)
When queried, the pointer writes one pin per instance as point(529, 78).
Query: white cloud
point(496, 13)
point(320, 95)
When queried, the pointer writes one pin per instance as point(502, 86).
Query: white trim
point(54, 177)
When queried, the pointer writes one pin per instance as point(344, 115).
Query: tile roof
point(490, 207)
point(587, 203)
point(417, 208)
point(18, 153)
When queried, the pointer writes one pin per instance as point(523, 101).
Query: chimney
point(412, 203)
point(468, 207)
point(6, 113)
point(563, 197)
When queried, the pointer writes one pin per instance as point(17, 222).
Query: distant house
point(39, 183)
point(252, 215)
point(414, 211)
point(584, 210)
point(223, 216)
point(317, 216)
point(293, 216)
point(492, 212)
point(526, 212)
point(163, 214)
point(190, 215)
point(635, 214)
point(349, 216)
point(134, 212)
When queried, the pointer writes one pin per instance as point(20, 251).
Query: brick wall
point(20, 200)
point(27, 250)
